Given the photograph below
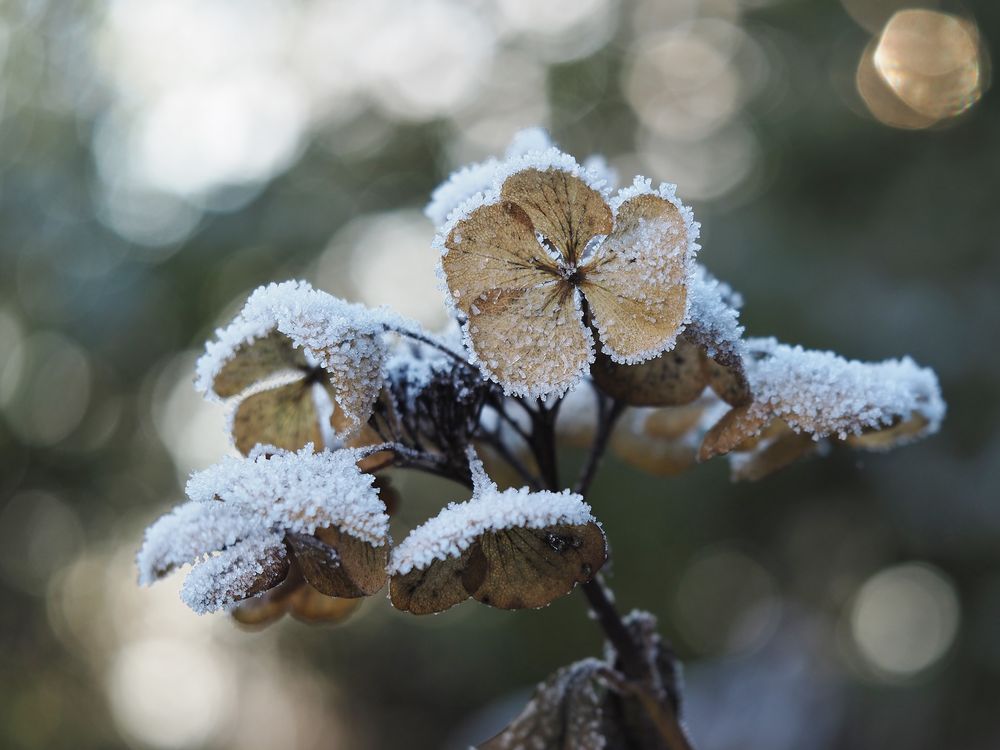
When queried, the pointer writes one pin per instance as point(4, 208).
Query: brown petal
point(515, 568)
point(523, 320)
point(663, 458)
point(728, 379)
point(672, 379)
point(562, 208)
point(424, 591)
point(338, 564)
point(636, 282)
point(738, 425)
point(309, 605)
point(674, 422)
point(774, 453)
point(889, 437)
point(257, 361)
point(526, 568)
point(284, 417)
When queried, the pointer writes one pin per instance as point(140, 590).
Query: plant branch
point(606, 418)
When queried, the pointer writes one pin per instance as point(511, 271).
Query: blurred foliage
point(844, 234)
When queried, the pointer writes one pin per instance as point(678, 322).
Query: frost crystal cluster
point(581, 319)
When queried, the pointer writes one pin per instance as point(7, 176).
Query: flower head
point(300, 361)
point(247, 518)
point(538, 261)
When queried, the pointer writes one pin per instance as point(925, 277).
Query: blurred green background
point(161, 158)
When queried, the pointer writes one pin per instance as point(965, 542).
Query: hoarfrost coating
point(455, 528)
point(824, 394)
point(298, 492)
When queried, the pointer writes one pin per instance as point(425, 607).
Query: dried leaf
point(256, 361)
point(284, 417)
point(238, 572)
point(309, 605)
point(514, 568)
point(338, 564)
point(562, 208)
point(635, 284)
point(674, 378)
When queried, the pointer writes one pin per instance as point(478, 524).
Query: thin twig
point(433, 342)
point(607, 416)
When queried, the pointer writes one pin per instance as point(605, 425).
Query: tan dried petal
point(284, 417)
point(309, 605)
point(889, 437)
point(338, 564)
point(524, 322)
point(514, 568)
point(773, 453)
point(739, 425)
point(636, 282)
point(257, 361)
point(664, 458)
point(674, 422)
point(296, 597)
point(674, 378)
point(562, 208)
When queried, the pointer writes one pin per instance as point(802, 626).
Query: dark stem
point(606, 418)
point(433, 342)
point(635, 665)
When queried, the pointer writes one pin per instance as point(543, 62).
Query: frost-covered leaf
point(512, 549)
point(565, 713)
point(339, 564)
point(636, 281)
point(674, 378)
point(240, 571)
point(737, 429)
point(727, 377)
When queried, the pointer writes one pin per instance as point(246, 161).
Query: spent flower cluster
point(582, 318)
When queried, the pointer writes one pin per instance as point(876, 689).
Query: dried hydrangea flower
point(246, 517)
point(513, 549)
point(521, 262)
point(300, 361)
point(822, 395)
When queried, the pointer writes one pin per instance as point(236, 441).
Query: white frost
point(297, 492)
point(241, 509)
point(825, 394)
